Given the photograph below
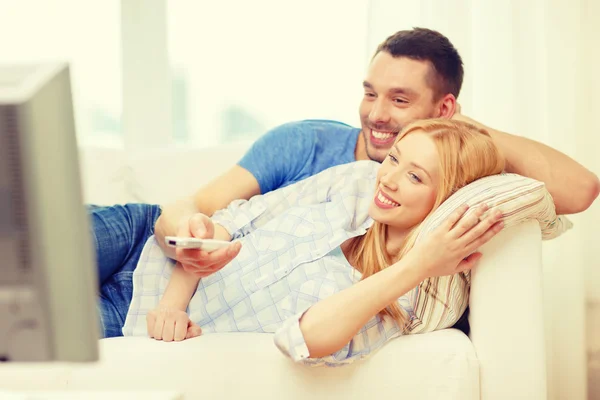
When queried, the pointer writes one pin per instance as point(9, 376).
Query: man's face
point(396, 93)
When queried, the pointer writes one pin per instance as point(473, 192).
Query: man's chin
point(378, 155)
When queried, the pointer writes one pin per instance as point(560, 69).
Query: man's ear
point(446, 106)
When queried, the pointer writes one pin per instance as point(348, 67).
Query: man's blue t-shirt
point(297, 150)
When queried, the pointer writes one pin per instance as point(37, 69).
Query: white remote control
point(195, 243)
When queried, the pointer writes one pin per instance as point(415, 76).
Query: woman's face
point(407, 183)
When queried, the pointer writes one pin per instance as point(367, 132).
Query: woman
point(329, 264)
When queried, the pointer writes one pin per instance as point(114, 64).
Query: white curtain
point(531, 69)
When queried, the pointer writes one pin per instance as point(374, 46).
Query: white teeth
point(384, 200)
point(383, 135)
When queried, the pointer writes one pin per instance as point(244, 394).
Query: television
point(48, 278)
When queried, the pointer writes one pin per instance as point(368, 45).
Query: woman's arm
point(182, 284)
point(331, 323)
point(180, 289)
point(169, 320)
point(330, 327)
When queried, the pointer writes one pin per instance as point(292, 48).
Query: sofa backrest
point(112, 176)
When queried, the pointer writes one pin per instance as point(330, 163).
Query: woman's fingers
point(193, 330)
point(206, 263)
point(168, 330)
point(181, 326)
point(225, 254)
point(453, 218)
point(468, 222)
point(201, 226)
point(469, 262)
point(158, 326)
point(480, 228)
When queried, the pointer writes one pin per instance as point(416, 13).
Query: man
point(414, 74)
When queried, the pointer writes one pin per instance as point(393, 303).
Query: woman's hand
point(451, 247)
point(168, 323)
point(200, 262)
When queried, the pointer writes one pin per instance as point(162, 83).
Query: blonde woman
point(329, 264)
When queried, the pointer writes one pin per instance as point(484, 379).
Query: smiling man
point(414, 74)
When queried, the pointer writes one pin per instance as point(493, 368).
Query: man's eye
point(369, 94)
point(400, 101)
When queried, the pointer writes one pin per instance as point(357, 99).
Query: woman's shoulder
point(354, 171)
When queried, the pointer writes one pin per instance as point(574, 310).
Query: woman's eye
point(415, 177)
point(400, 101)
point(393, 159)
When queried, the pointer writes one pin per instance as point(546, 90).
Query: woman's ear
point(447, 106)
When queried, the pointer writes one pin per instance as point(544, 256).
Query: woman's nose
point(389, 180)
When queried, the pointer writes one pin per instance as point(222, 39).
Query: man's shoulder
point(296, 150)
point(302, 138)
point(313, 129)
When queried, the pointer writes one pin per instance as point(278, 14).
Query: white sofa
point(503, 358)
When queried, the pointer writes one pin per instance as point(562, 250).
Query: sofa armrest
point(506, 315)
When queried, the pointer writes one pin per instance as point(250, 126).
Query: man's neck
point(360, 151)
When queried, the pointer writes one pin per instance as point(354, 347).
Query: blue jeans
point(119, 234)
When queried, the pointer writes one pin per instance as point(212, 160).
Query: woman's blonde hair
point(466, 154)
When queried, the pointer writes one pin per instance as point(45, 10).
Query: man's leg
point(120, 233)
point(117, 233)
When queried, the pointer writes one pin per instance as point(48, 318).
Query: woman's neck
point(394, 239)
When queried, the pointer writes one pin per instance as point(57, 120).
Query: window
point(241, 68)
point(236, 70)
point(85, 34)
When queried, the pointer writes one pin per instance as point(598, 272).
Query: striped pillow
point(518, 197)
point(438, 302)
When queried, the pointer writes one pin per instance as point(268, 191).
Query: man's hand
point(457, 108)
point(200, 262)
point(171, 324)
point(458, 116)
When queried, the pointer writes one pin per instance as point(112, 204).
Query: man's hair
point(428, 45)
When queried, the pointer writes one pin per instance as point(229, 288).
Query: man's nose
point(379, 113)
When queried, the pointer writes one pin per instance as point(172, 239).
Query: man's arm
point(278, 154)
point(573, 187)
point(237, 183)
